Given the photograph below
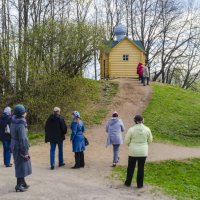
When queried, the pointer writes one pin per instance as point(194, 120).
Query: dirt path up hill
point(93, 182)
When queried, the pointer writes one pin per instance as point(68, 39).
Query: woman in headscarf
point(78, 140)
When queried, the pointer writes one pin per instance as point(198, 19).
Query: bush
point(85, 95)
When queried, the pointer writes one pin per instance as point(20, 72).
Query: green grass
point(179, 179)
point(35, 137)
point(174, 115)
point(96, 110)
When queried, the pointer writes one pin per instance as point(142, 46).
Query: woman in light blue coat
point(114, 128)
point(78, 140)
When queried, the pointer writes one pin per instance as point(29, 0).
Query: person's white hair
point(7, 110)
point(56, 109)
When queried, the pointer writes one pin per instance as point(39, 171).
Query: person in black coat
point(55, 130)
point(5, 135)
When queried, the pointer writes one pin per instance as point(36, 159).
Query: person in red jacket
point(139, 71)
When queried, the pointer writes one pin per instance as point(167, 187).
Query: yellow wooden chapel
point(119, 59)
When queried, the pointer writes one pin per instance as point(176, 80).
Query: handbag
point(86, 141)
point(7, 129)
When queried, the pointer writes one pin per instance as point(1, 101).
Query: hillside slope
point(93, 181)
point(174, 115)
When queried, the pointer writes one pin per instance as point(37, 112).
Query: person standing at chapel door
point(138, 137)
point(139, 71)
point(145, 75)
point(55, 130)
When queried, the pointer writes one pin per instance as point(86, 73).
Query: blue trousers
point(115, 153)
point(6, 152)
point(52, 153)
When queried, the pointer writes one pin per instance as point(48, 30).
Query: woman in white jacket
point(138, 137)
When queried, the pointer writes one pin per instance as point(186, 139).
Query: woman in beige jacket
point(138, 137)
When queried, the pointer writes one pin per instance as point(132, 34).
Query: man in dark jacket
point(5, 136)
point(55, 130)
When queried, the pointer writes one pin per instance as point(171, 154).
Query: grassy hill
point(89, 97)
point(174, 115)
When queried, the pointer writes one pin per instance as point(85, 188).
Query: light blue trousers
point(115, 153)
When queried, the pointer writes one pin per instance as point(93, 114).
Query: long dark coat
point(55, 129)
point(20, 147)
point(4, 121)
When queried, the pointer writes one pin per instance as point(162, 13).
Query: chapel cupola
point(120, 32)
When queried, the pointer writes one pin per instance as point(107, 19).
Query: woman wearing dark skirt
point(77, 140)
point(20, 147)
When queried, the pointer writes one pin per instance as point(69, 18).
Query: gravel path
point(93, 182)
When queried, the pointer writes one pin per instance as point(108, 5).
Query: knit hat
point(19, 110)
point(115, 114)
point(138, 118)
point(76, 114)
point(7, 110)
point(56, 109)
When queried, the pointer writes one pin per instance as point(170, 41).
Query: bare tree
point(174, 38)
point(114, 15)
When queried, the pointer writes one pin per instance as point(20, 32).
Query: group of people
point(143, 73)
point(13, 134)
point(137, 138)
point(55, 131)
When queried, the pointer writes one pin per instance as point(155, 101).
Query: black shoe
point(63, 164)
point(127, 185)
point(139, 187)
point(10, 165)
point(114, 165)
point(75, 167)
point(52, 167)
point(25, 186)
point(19, 188)
point(82, 166)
